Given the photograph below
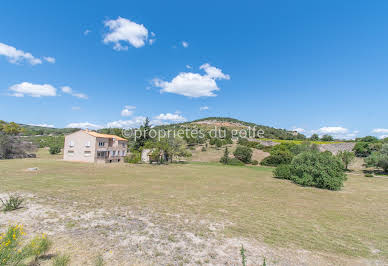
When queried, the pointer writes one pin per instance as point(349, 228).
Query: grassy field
point(247, 201)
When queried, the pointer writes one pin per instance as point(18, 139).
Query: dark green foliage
point(368, 175)
point(225, 158)
point(368, 139)
point(145, 135)
point(379, 158)
point(12, 203)
point(250, 144)
point(303, 147)
point(203, 149)
point(364, 149)
point(255, 162)
point(55, 149)
point(315, 169)
point(283, 171)
point(277, 157)
point(243, 153)
point(327, 138)
point(218, 143)
point(235, 162)
point(314, 137)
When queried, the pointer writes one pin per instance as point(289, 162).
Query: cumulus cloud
point(16, 56)
point(128, 110)
point(203, 108)
point(189, 67)
point(49, 59)
point(193, 84)
point(132, 123)
point(68, 90)
point(84, 125)
point(33, 90)
point(383, 136)
point(86, 32)
point(75, 108)
point(123, 31)
point(42, 125)
point(171, 117)
point(380, 130)
point(185, 44)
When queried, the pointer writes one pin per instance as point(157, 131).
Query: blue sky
point(319, 66)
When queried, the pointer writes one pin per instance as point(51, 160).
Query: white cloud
point(331, 130)
point(84, 125)
point(68, 90)
point(132, 123)
point(213, 72)
point(86, 32)
point(383, 137)
point(203, 108)
point(128, 110)
point(42, 125)
point(49, 59)
point(151, 41)
point(185, 44)
point(75, 108)
point(123, 30)
point(170, 117)
point(193, 84)
point(33, 90)
point(380, 130)
point(189, 67)
point(16, 56)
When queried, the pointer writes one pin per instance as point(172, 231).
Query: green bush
point(54, 149)
point(364, 149)
point(255, 162)
point(12, 203)
point(61, 260)
point(315, 169)
point(134, 157)
point(243, 153)
point(203, 149)
point(234, 161)
point(327, 138)
point(277, 157)
point(379, 158)
point(368, 175)
point(283, 171)
point(225, 158)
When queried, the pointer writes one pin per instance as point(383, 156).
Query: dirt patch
point(126, 236)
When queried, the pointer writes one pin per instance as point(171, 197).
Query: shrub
point(314, 137)
point(346, 157)
point(203, 149)
point(134, 157)
point(12, 252)
point(282, 171)
point(379, 158)
point(12, 203)
point(54, 149)
point(321, 170)
point(327, 138)
point(235, 162)
point(364, 149)
point(243, 153)
point(225, 158)
point(277, 157)
point(255, 162)
point(61, 260)
point(368, 175)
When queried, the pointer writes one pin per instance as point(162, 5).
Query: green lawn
point(351, 222)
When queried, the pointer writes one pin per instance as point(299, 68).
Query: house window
point(71, 143)
point(87, 144)
point(101, 144)
point(87, 153)
point(123, 145)
point(70, 153)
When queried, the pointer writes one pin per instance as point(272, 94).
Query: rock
point(33, 169)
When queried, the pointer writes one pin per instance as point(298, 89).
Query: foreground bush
point(134, 157)
point(321, 170)
point(243, 154)
point(13, 252)
point(379, 158)
point(14, 202)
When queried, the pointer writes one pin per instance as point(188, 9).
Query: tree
point(225, 158)
point(243, 153)
point(10, 128)
point(346, 157)
point(327, 138)
point(317, 169)
point(314, 137)
point(145, 135)
point(379, 158)
point(364, 149)
point(54, 149)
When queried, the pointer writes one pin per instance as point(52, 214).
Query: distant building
point(93, 147)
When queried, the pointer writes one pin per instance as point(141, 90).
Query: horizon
point(306, 67)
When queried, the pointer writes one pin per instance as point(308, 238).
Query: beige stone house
point(93, 147)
